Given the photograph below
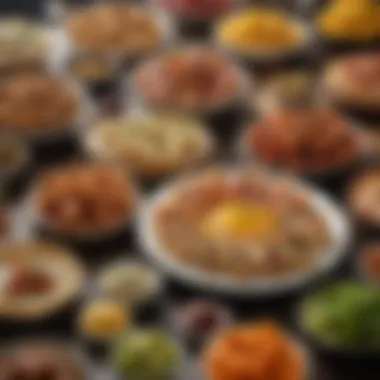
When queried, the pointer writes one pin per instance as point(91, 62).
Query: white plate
point(336, 220)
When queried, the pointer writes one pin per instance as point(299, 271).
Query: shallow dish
point(333, 216)
point(261, 60)
point(39, 281)
point(336, 348)
point(151, 146)
point(95, 233)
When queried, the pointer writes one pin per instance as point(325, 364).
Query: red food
point(25, 281)
point(308, 140)
point(363, 70)
point(38, 363)
point(195, 77)
point(85, 198)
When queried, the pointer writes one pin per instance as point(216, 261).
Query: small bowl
point(263, 63)
point(126, 60)
point(368, 228)
point(146, 308)
point(91, 243)
point(191, 331)
point(60, 143)
point(154, 173)
point(18, 319)
point(223, 118)
point(333, 179)
point(99, 347)
point(343, 363)
point(78, 363)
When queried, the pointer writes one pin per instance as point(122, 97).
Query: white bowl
point(336, 221)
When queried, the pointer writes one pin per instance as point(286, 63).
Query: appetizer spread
point(37, 280)
point(22, 44)
point(290, 139)
point(257, 351)
point(354, 81)
point(349, 21)
point(103, 321)
point(261, 32)
point(83, 200)
point(196, 78)
point(344, 316)
point(38, 361)
point(114, 28)
point(146, 354)
point(243, 224)
point(364, 197)
point(151, 146)
point(36, 103)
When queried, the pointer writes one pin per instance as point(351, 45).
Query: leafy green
point(345, 315)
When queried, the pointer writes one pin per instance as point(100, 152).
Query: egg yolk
point(103, 319)
point(240, 221)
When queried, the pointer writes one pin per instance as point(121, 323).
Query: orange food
point(85, 198)
point(35, 102)
point(254, 352)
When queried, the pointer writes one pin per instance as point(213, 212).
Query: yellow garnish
point(259, 29)
point(237, 220)
point(352, 20)
point(103, 319)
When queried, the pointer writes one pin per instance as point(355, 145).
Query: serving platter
point(334, 217)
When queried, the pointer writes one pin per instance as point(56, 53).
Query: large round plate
point(336, 221)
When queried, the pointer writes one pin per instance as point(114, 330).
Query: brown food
point(39, 363)
point(25, 280)
point(355, 80)
point(4, 223)
point(307, 140)
point(196, 77)
point(85, 198)
point(242, 225)
point(36, 103)
point(114, 28)
point(371, 262)
point(202, 317)
point(364, 197)
point(91, 68)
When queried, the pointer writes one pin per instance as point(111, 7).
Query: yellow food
point(238, 220)
point(103, 319)
point(259, 29)
point(354, 20)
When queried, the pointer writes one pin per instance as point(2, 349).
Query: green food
point(146, 355)
point(345, 315)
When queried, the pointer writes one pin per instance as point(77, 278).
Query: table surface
point(282, 309)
